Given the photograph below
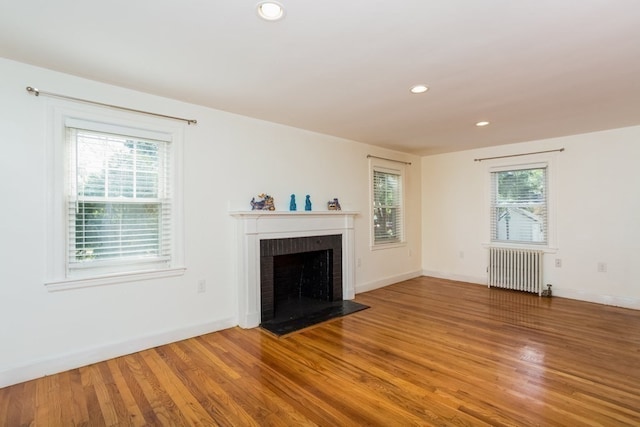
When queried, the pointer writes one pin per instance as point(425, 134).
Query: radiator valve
point(547, 292)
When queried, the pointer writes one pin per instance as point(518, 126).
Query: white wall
point(228, 160)
point(595, 214)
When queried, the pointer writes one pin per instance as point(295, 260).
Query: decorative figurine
point(307, 203)
point(266, 204)
point(547, 292)
point(334, 205)
point(292, 203)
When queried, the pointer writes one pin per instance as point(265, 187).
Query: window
point(387, 209)
point(115, 205)
point(519, 205)
point(119, 205)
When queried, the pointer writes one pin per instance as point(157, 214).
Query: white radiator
point(517, 269)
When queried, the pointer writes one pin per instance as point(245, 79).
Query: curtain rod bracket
point(37, 92)
point(33, 90)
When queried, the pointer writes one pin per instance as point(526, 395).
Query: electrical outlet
point(602, 267)
point(202, 286)
point(461, 254)
point(558, 262)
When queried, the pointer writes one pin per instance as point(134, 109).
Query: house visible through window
point(119, 212)
point(387, 206)
point(519, 205)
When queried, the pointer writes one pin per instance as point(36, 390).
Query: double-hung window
point(519, 199)
point(387, 207)
point(116, 209)
point(119, 213)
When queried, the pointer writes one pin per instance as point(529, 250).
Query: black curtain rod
point(518, 155)
point(369, 156)
point(37, 92)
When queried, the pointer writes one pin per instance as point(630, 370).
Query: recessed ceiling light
point(483, 123)
point(270, 10)
point(419, 89)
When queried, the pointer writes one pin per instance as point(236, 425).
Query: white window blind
point(387, 206)
point(119, 211)
point(519, 205)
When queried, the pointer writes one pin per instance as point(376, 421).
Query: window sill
point(112, 279)
point(543, 248)
point(380, 246)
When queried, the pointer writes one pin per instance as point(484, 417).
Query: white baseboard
point(456, 277)
point(63, 362)
point(365, 287)
point(617, 301)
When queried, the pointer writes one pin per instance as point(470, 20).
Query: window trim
point(382, 165)
point(59, 114)
point(548, 160)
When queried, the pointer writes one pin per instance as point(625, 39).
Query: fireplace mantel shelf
point(260, 213)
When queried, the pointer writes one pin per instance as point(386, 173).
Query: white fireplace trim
point(253, 226)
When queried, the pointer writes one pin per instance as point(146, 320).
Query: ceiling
point(534, 68)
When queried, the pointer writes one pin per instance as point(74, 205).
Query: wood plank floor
point(427, 352)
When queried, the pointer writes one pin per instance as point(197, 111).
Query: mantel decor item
point(334, 205)
point(264, 204)
point(307, 203)
point(292, 203)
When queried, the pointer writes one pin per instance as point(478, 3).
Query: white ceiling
point(534, 68)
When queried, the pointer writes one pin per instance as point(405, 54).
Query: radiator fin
point(516, 269)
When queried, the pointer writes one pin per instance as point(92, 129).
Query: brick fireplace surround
point(254, 226)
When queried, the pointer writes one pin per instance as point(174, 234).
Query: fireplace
point(299, 275)
point(277, 227)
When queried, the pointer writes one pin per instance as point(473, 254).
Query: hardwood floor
point(427, 352)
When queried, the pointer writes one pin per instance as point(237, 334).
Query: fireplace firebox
point(299, 276)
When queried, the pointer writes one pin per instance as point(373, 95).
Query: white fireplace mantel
point(253, 226)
